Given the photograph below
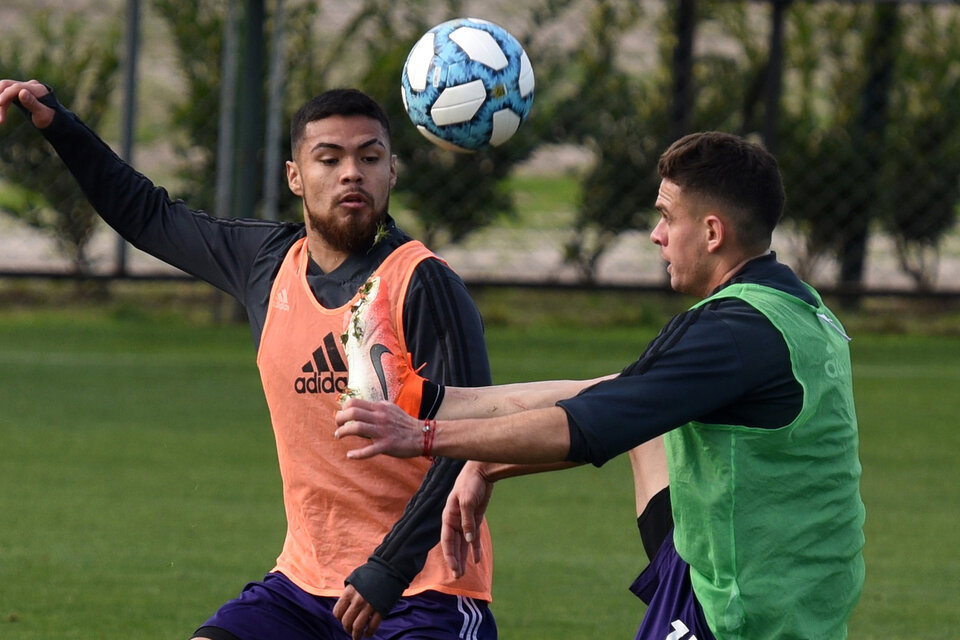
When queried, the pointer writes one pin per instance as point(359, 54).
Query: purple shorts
point(672, 607)
point(277, 609)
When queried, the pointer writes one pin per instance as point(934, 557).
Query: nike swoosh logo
point(376, 352)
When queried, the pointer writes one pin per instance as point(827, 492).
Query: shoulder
point(717, 333)
point(433, 274)
point(277, 238)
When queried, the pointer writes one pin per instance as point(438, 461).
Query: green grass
point(139, 490)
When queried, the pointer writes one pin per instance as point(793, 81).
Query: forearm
point(504, 400)
point(215, 250)
point(539, 436)
point(497, 471)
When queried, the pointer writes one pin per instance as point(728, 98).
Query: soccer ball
point(467, 84)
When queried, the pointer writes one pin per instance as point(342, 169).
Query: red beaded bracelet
point(429, 431)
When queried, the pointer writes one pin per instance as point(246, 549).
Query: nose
point(352, 172)
point(656, 234)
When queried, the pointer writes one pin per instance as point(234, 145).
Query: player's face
point(682, 237)
point(344, 172)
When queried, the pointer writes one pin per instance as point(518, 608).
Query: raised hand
point(28, 95)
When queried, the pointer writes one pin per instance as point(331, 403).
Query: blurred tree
point(197, 29)
point(624, 114)
point(449, 194)
point(832, 122)
point(81, 64)
point(848, 164)
point(621, 116)
point(920, 180)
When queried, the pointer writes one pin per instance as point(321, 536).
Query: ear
point(293, 178)
point(716, 232)
point(393, 172)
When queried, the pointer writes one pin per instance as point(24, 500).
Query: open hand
point(391, 430)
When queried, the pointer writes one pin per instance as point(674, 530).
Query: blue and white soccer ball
point(467, 84)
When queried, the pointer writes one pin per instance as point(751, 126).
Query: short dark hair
point(736, 173)
point(335, 102)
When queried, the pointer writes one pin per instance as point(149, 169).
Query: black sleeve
point(445, 333)
point(219, 251)
point(719, 364)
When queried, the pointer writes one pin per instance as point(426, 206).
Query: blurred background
point(138, 480)
point(860, 101)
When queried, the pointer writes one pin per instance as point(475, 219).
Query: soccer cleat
point(378, 369)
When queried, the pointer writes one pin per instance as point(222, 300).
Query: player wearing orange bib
point(297, 282)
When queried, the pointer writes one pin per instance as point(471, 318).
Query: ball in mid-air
point(467, 85)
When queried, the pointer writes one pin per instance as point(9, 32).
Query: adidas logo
point(326, 371)
point(280, 301)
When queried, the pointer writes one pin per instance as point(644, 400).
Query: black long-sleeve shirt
point(721, 363)
point(442, 325)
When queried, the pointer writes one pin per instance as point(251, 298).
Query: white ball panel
point(525, 81)
point(418, 62)
point(458, 104)
point(505, 124)
point(440, 142)
point(480, 46)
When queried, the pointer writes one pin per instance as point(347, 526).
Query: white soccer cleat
point(378, 369)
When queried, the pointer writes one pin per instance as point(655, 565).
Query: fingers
point(357, 616)
point(388, 428)
point(369, 451)
point(468, 522)
point(8, 93)
point(355, 409)
point(451, 536)
point(476, 546)
point(462, 516)
point(356, 421)
point(27, 94)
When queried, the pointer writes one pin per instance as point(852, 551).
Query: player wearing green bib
point(738, 418)
point(745, 550)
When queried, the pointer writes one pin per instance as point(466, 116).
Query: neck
point(323, 256)
point(732, 271)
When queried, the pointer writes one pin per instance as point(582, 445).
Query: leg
point(273, 609)
point(438, 616)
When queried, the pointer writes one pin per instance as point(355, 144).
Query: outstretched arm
point(218, 250)
point(507, 399)
point(379, 368)
point(528, 437)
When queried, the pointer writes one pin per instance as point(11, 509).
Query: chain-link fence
point(860, 101)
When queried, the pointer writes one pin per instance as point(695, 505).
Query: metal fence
point(860, 101)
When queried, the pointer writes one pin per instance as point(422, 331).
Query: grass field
point(139, 490)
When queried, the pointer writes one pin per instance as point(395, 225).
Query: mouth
point(354, 200)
